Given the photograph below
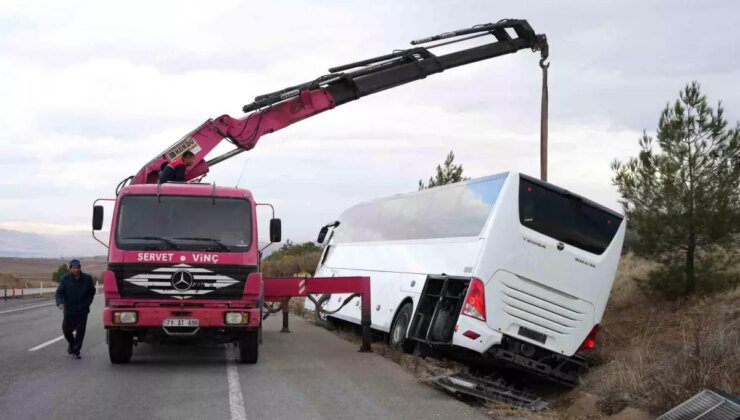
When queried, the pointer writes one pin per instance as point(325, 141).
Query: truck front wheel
point(249, 346)
point(120, 346)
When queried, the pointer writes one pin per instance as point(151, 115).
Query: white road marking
point(42, 345)
point(236, 400)
point(26, 307)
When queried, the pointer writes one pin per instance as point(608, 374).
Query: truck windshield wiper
point(155, 238)
point(220, 244)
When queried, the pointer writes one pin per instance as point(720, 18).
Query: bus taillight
point(590, 342)
point(475, 301)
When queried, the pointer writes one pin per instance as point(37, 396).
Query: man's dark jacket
point(76, 294)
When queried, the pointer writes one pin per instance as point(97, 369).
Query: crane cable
point(543, 120)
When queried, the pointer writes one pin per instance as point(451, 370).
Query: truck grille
point(181, 281)
point(549, 310)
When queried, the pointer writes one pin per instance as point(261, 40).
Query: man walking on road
point(74, 297)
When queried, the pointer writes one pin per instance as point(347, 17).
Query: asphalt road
point(307, 374)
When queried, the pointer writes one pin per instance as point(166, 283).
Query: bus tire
point(120, 346)
point(321, 319)
point(249, 347)
point(399, 330)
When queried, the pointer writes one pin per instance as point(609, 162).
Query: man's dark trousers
point(77, 323)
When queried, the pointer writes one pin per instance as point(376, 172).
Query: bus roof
point(439, 188)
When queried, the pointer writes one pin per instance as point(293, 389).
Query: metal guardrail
point(19, 293)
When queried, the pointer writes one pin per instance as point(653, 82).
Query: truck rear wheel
point(120, 346)
point(249, 346)
point(399, 330)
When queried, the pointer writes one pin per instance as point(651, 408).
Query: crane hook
point(543, 66)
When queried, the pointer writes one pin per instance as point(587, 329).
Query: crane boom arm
point(276, 110)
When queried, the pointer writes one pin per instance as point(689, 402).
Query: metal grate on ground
point(495, 389)
point(706, 405)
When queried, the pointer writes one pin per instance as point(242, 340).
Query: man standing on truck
point(175, 170)
point(74, 296)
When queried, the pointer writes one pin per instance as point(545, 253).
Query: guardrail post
point(13, 292)
point(5, 293)
point(22, 291)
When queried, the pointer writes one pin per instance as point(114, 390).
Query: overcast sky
point(92, 91)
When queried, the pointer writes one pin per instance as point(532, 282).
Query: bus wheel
point(399, 330)
point(321, 318)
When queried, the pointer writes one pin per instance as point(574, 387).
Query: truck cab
point(183, 264)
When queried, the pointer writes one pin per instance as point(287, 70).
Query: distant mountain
point(14, 243)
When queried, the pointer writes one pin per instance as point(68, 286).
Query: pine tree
point(447, 173)
point(682, 198)
point(61, 271)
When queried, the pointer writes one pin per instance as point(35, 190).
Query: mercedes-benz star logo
point(560, 246)
point(182, 280)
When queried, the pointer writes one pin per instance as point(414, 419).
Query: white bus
point(516, 270)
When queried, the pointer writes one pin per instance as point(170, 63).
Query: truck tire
point(249, 347)
point(399, 330)
point(120, 346)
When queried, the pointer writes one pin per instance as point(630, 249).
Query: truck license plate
point(180, 323)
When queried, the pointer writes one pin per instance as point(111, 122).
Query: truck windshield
point(566, 217)
point(184, 223)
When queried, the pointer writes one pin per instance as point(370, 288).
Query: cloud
point(93, 90)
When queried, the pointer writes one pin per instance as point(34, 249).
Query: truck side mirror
point(97, 221)
point(275, 230)
point(322, 234)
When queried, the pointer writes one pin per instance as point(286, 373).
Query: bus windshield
point(184, 223)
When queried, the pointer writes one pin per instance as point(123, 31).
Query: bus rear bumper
point(475, 335)
point(493, 347)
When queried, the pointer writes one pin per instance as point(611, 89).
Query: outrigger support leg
point(286, 308)
point(282, 289)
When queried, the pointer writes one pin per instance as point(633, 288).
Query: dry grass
point(36, 270)
point(500, 410)
point(655, 354)
point(8, 281)
point(626, 291)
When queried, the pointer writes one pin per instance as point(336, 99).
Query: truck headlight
point(128, 317)
point(236, 318)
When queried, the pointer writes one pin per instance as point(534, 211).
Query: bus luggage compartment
point(438, 310)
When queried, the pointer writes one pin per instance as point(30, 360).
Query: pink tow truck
point(184, 260)
point(183, 264)
point(173, 274)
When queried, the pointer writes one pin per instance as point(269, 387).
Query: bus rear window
point(566, 217)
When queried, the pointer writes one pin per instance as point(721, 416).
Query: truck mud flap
point(439, 307)
point(490, 390)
